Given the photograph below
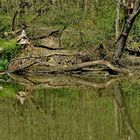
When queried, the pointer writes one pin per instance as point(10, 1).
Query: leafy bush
point(8, 50)
point(3, 64)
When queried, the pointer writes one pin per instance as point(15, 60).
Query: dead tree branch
point(91, 63)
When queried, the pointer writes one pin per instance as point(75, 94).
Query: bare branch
point(14, 19)
point(121, 3)
point(136, 10)
point(91, 63)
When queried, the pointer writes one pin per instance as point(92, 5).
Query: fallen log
point(77, 67)
point(88, 64)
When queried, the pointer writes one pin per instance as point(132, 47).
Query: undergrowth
point(8, 49)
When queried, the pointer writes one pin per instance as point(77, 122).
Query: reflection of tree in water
point(126, 129)
point(47, 107)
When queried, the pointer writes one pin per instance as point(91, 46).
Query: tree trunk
point(123, 37)
point(129, 20)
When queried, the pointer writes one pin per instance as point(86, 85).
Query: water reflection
point(69, 108)
point(128, 132)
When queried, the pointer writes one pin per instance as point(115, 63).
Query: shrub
point(8, 49)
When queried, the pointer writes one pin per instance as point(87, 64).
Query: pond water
point(58, 107)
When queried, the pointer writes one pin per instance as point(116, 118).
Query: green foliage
point(136, 27)
point(104, 27)
point(8, 90)
point(3, 64)
point(8, 49)
point(95, 19)
point(5, 21)
point(67, 17)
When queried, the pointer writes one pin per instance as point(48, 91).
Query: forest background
point(88, 22)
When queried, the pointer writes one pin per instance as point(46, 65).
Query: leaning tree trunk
point(129, 20)
point(123, 37)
